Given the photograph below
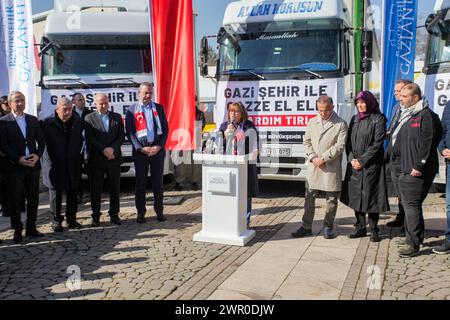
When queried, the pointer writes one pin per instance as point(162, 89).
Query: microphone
point(232, 120)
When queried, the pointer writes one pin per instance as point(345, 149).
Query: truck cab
point(95, 46)
point(437, 65)
point(276, 58)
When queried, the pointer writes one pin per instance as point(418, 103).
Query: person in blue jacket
point(444, 150)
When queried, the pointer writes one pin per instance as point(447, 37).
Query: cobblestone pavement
point(424, 277)
point(155, 260)
point(159, 260)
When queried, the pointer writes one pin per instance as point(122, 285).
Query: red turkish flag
point(141, 125)
point(172, 28)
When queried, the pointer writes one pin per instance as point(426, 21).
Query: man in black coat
point(105, 136)
point(394, 162)
point(147, 130)
point(415, 140)
point(4, 110)
point(22, 143)
point(80, 109)
point(63, 135)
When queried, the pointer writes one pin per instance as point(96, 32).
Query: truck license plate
point(277, 152)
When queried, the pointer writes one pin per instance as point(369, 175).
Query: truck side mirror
point(204, 57)
point(45, 46)
point(366, 50)
point(431, 22)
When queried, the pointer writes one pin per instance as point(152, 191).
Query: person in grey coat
point(364, 188)
point(324, 142)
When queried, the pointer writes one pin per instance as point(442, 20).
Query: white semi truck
point(92, 46)
point(437, 60)
point(277, 57)
point(437, 64)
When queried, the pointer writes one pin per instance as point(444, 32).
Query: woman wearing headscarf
point(364, 188)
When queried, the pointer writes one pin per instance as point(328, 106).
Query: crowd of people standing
point(75, 140)
point(412, 136)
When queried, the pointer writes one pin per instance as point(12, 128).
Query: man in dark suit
point(147, 130)
point(80, 109)
point(22, 143)
point(63, 135)
point(105, 136)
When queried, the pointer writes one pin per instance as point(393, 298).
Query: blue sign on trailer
point(399, 40)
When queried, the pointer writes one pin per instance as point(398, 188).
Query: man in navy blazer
point(147, 130)
point(22, 142)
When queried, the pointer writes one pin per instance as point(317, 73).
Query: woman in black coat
point(240, 128)
point(364, 188)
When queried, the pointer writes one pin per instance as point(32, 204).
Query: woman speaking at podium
point(241, 137)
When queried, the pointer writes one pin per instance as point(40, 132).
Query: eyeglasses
point(235, 111)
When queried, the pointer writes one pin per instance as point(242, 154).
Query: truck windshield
point(97, 60)
point(314, 50)
point(439, 49)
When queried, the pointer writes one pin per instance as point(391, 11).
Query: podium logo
point(374, 279)
point(73, 283)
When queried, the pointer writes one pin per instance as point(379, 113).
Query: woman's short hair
point(241, 108)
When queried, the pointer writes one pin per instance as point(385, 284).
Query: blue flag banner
point(399, 40)
point(17, 55)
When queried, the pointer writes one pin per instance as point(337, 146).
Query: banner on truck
point(120, 99)
point(283, 106)
point(17, 52)
point(437, 91)
point(172, 31)
point(399, 41)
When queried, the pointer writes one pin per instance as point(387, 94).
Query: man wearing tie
point(105, 136)
point(147, 130)
point(22, 142)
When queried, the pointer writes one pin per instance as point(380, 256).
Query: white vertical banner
point(17, 59)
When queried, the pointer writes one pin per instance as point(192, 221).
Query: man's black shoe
point(34, 233)
point(375, 237)
point(358, 234)
point(302, 232)
point(17, 236)
point(95, 222)
point(408, 251)
point(57, 227)
point(396, 223)
point(116, 220)
point(178, 187)
point(75, 225)
point(195, 186)
point(161, 217)
point(141, 218)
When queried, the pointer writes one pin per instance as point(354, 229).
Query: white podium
point(224, 200)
